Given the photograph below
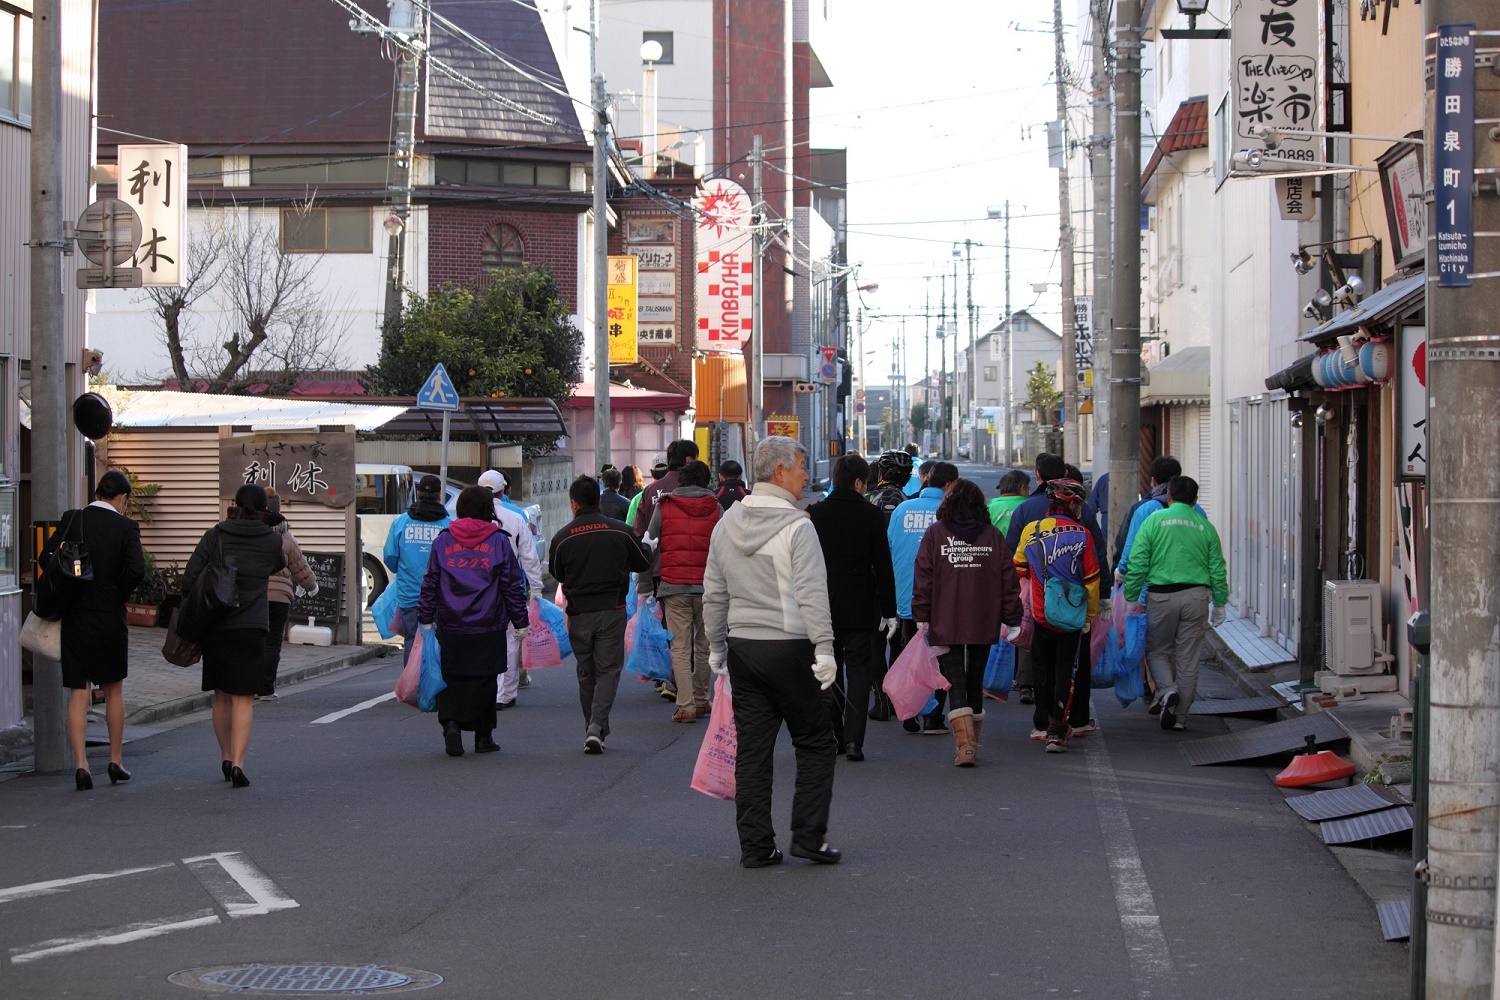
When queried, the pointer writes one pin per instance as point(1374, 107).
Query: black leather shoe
point(485, 743)
point(117, 773)
point(82, 779)
point(501, 706)
point(1028, 697)
point(226, 767)
point(823, 855)
point(883, 710)
point(237, 778)
point(853, 751)
point(774, 858)
point(453, 739)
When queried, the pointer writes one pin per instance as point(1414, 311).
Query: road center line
point(1150, 958)
point(63, 884)
point(114, 935)
point(247, 892)
point(341, 713)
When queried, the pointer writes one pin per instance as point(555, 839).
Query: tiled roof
point(1187, 130)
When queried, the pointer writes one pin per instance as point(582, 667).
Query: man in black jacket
point(611, 503)
point(861, 593)
point(593, 557)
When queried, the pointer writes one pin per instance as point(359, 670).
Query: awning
point(164, 408)
point(1375, 309)
point(1181, 378)
point(622, 397)
point(489, 419)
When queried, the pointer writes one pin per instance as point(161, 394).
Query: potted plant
point(170, 575)
point(144, 605)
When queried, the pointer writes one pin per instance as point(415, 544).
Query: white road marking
point(1150, 958)
point(341, 713)
point(248, 891)
point(114, 935)
point(63, 884)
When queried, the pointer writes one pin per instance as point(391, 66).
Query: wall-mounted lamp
point(1350, 291)
point(1192, 8)
point(1303, 261)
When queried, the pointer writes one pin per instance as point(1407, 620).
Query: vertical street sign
point(153, 180)
point(1083, 335)
point(829, 371)
point(724, 255)
point(1274, 52)
point(1453, 154)
point(438, 393)
point(623, 344)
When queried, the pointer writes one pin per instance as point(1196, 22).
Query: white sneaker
point(593, 745)
point(1038, 734)
point(1089, 727)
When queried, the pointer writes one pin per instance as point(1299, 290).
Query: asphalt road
point(1114, 870)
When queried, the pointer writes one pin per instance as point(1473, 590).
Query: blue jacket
point(407, 549)
point(1035, 508)
point(909, 522)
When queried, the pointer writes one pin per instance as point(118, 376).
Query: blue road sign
point(829, 372)
point(1453, 142)
point(437, 393)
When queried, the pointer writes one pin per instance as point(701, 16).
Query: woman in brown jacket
point(967, 592)
point(279, 591)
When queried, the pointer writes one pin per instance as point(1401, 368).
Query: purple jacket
point(474, 582)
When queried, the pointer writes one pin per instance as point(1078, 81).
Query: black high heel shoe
point(226, 767)
point(83, 779)
point(237, 778)
point(117, 773)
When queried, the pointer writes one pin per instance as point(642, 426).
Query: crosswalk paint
point(343, 712)
point(114, 935)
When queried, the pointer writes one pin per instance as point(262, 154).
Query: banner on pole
point(623, 346)
point(724, 253)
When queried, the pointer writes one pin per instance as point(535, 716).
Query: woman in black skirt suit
point(234, 650)
point(95, 641)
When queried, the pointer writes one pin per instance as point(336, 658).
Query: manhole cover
point(304, 978)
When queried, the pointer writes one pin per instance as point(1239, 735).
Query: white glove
point(536, 593)
point(1119, 578)
point(1086, 626)
point(521, 632)
point(1134, 608)
point(313, 592)
point(718, 662)
point(1012, 633)
point(890, 626)
point(825, 670)
point(1216, 617)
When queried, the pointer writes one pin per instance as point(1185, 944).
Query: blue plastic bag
point(556, 621)
point(1130, 679)
point(431, 682)
point(385, 613)
point(1000, 670)
point(651, 651)
point(930, 707)
point(632, 599)
point(1102, 672)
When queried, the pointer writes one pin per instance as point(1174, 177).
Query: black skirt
point(471, 665)
point(95, 647)
point(234, 660)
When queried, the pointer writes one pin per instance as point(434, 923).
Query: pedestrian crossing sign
point(438, 393)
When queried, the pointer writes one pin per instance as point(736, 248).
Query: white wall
point(685, 88)
point(351, 285)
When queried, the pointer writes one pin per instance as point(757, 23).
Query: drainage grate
point(1395, 919)
point(1236, 706)
point(305, 978)
point(1271, 739)
point(1336, 803)
point(1369, 826)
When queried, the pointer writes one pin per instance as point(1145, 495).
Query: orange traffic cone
point(1313, 767)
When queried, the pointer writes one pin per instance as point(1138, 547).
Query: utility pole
point(50, 476)
point(943, 362)
point(926, 363)
point(1007, 348)
point(1125, 340)
point(1065, 235)
point(1463, 356)
point(603, 419)
point(955, 408)
point(973, 378)
point(757, 313)
point(1100, 158)
point(406, 22)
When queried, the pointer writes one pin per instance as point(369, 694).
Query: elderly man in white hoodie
point(765, 608)
point(518, 528)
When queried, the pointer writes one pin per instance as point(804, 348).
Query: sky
point(943, 114)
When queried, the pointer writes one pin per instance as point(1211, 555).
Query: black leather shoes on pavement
point(823, 855)
point(485, 743)
point(774, 858)
point(453, 739)
point(853, 751)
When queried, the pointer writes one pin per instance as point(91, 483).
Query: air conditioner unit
point(1351, 622)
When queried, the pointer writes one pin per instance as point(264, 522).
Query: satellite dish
point(92, 415)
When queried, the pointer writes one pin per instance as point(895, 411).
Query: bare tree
point(274, 311)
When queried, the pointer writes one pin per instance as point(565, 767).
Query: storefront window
point(9, 578)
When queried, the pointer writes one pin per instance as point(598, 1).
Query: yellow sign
point(623, 347)
point(783, 425)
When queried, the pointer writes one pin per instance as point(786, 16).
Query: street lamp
point(393, 225)
point(1192, 8)
point(651, 53)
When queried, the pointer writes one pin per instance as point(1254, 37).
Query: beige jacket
point(297, 571)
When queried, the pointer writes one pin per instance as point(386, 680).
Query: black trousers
point(963, 667)
point(277, 612)
point(860, 653)
point(1062, 691)
point(771, 682)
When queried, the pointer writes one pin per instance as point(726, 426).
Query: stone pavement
point(157, 690)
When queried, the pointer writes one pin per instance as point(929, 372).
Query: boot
point(965, 746)
point(978, 718)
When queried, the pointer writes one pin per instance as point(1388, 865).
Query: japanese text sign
point(1083, 333)
point(623, 346)
point(1413, 401)
point(303, 466)
point(1275, 50)
point(1453, 154)
point(724, 252)
point(153, 181)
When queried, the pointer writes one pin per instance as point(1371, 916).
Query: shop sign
point(622, 311)
point(657, 283)
point(1453, 155)
point(1083, 334)
point(655, 258)
point(657, 310)
point(314, 468)
point(783, 425)
point(153, 180)
point(1413, 402)
point(724, 249)
point(650, 231)
point(1274, 51)
point(657, 333)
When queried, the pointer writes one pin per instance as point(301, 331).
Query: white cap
point(494, 479)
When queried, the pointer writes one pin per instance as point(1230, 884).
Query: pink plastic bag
point(540, 648)
point(1028, 623)
point(411, 674)
point(713, 775)
point(1117, 616)
point(914, 676)
point(559, 599)
point(1099, 634)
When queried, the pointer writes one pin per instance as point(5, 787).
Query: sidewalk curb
point(193, 703)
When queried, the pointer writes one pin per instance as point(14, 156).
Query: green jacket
point(1001, 508)
point(635, 503)
point(1177, 545)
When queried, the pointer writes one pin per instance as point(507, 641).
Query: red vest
point(687, 525)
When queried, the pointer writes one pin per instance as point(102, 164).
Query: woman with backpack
point(234, 642)
point(966, 592)
point(1055, 558)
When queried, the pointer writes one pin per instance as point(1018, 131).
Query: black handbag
point(65, 571)
point(214, 595)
